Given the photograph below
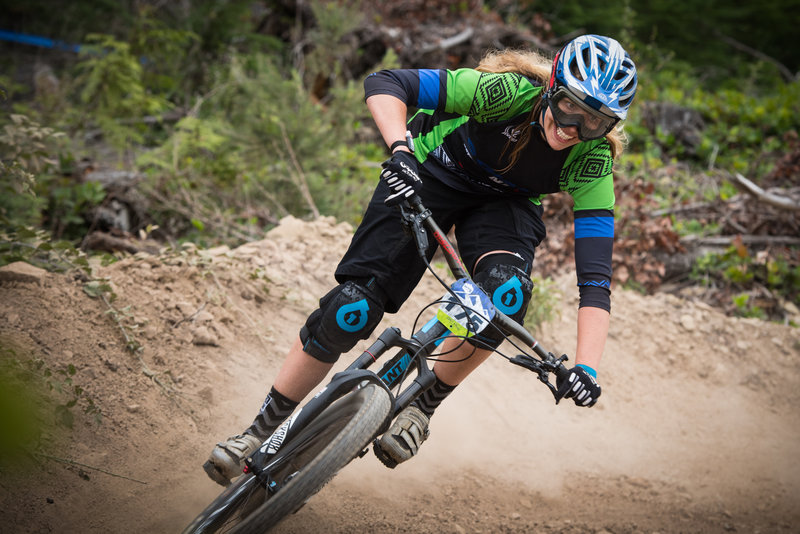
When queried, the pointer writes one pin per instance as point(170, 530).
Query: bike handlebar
point(422, 220)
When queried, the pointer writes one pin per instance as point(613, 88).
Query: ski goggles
point(569, 110)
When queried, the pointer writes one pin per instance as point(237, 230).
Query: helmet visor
point(569, 110)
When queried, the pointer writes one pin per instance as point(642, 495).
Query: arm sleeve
point(594, 241)
point(591, 184)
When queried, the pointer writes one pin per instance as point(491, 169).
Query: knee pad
point(347, 314)
point(505, 278)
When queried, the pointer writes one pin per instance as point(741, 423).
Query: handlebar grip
point(562, 373)
point(416, 203)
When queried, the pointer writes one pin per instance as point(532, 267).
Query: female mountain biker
point(486, 145)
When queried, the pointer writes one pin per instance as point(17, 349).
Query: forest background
point(134, 126)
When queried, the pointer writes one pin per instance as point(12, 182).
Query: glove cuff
point(588, 369)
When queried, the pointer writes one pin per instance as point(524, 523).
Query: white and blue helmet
point(598, 71)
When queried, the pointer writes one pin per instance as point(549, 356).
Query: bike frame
point(413, 352)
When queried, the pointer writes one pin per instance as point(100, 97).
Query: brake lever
point(413, 222)
point(543, 368)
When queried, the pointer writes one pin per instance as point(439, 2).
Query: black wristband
point(401, 142)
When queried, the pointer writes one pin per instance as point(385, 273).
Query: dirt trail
point(698, 429)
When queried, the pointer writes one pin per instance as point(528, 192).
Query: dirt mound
point(697, 429)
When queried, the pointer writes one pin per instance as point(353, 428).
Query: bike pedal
point(385, 459)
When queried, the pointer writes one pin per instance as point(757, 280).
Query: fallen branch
point(450, 42)
point(191, 317)
point(78, 464)
point(784, 203)
point(191, 209)
point(790, 77)
point(299, 177)
point(106, 242)
point(726, 240)
point(135, 348)
point(684, 207)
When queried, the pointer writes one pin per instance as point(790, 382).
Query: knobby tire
point(313, 457)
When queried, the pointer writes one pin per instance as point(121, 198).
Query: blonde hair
point(533, 65)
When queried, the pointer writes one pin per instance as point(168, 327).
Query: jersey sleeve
point(589, 179)
point(420, 88)
point(479, 95)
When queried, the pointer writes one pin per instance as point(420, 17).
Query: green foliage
point(69, 202)
point(14, 179)
point(695, 227)
point(42, 195)
point(122, 317)
point(35, 246)
point(18, 201)
point(21, 412)
point(260, 145)
point(112, 87)
point(739, 124)
point(218, 25)
point(68, 21)
point(737, 270)
point(700, 33)
point(742, 127)
point(744, 309)
point(62, 382)
point(745, 130)
point(29, 144)
point(35, 398)
point(269, 140)
point(31, 150)
point(196, 146)
point(335, 21)
point(162, 52)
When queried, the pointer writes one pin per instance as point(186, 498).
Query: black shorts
point(483, 223)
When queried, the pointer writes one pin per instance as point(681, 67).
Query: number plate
point(470, 314)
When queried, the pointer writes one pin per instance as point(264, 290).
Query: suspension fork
point(412, 355)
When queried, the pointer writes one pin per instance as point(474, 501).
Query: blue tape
point(36, 40)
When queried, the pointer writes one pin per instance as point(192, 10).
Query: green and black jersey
point(465, 122)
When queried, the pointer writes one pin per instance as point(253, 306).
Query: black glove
point(580, 386)
point(400, 174)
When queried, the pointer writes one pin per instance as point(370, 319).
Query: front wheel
point(306, 463)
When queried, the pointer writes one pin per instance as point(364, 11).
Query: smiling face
point(568, 121)
point(558, 138)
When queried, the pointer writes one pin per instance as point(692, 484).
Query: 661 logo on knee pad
point(353, 317)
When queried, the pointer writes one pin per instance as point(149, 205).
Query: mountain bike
point(358, 404)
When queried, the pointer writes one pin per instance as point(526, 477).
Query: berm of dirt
point(697, 429)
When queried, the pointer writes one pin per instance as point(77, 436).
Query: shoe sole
point(213, 473)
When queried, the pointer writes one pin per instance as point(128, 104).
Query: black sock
point(274, 411)
point(433, 397)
